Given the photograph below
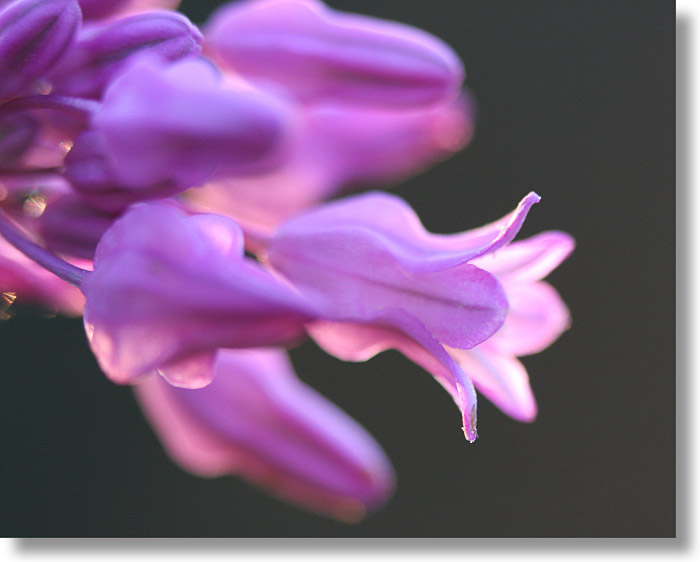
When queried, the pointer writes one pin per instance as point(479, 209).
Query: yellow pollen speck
point(66, 145)
point(6, 300)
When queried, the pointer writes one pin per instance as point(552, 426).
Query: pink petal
point(528, 260)
point(501, 378)
point(536, 318)
point(359, 342)
point(256, 420)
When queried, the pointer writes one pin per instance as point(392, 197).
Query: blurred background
point(576, 101)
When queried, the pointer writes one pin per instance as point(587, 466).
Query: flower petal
point(529, 260)
point(391, 218)
point(358, 275)
point(500, 378)
point(359, 342)
point(536, 318)
point(258, 421)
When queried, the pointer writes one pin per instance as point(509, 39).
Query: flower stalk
point(49, 261)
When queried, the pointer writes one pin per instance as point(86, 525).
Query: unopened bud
point(34, 35)
point(320, 54)
point(176, 123)
point(96, 59)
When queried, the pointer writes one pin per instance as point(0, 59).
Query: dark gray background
point(576, 102)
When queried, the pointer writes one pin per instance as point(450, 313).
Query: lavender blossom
point(386, 282)
point(115, 135)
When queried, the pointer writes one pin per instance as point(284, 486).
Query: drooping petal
point(398, 330)
point(536, 318)
point(320, 54)
point(168, 287)
point(390, 218)
point(257, 421)
point(528, 260)
point(499, 377)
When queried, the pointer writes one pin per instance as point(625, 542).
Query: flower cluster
point(168, 184)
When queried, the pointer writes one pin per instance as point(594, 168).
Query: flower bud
point(99, 56)
point(34, 35)
point(178, 124)
point(320, 54)
point(258, 421)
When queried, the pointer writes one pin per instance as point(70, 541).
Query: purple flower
point(536, 318)
point(169, 289)
point(258, 421)
point(34, 35)
point(319, 54)
point(383, 281)
point(305, 102)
